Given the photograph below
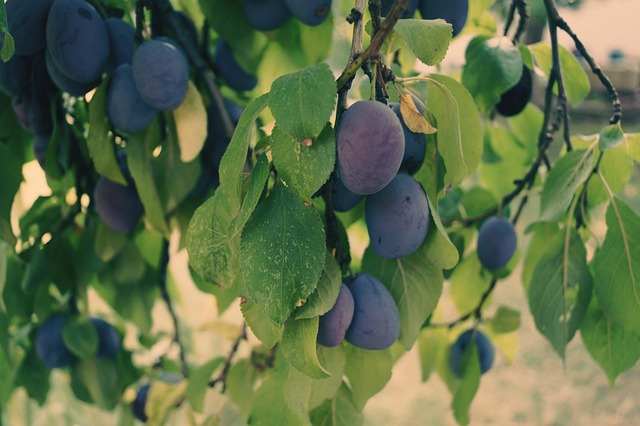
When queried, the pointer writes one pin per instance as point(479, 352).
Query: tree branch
point(222, 377)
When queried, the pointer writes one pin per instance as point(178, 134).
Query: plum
point(117, 205)
point(370, 147)
point(343, 199)
point(310, 12)
point(397, 218)
point(27, 21)
point(334, 324)
point(41, 90)
point(497, 243)
point(454, 12)
point(414, 146)
point(139, 404)
point(108, 339)
point(376, 321)
point(230, 70)
point(408, 12)
point(15, 76)
point(63, 82)
point(486, 352)
point(126, 109)
point(515, 100)
point(266, 15)
point(161, 74)
point(78, 40)
point(122, 39)
point(50, 345)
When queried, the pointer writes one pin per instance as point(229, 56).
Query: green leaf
point(428, 39)
point(616, 267)
point(298, 346)
point(459, 127)
point(334, 361)
point(613, 347)
point(493, 66)
point(505, 320)
point(564, 180)
point(368, 372)
point(478, 201)
point(617, 169)
point(191, 124)
point(163, 398)
point(316, 41)
point(99, 141)
point(267, 331)
point(10, 178)
point(560, 289)
point(415, 284)
point(468, 282)
point(538, 245)
point(438, 247)
point(611, 136)
point(81, 337)
point(241, 380)
point(257, 182)
point(108, 242)
point(302, 102)
point(8, 47)
point(34, 377)
point(100, 379)
point(574, 76)
point(433, 344)
point(304, 166)
point(199, 382)
point(282, 253)
point(468, 386)
point(324, 297)
point(338, 411)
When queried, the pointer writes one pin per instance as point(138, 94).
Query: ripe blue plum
point(50, 346)
point(266, 15)
point(515, 100)
point(370, 147)
point(486, 351)
point(63, 82)
point(397, 218)
point(126, 109)
point(310, 12)
point(408, 13)
point(78, 40)
point(122, 39)
point(414, 146)
point(343, 199)
point(376, 321)
point(15, 76)
point(41, 90)
point(139, 404)
point(108, 339)
point(117, 205)
point(497, 243)
point(454, 12)
point(334, 324)
point(27, 21)
point(230, 70)
point(161, 73)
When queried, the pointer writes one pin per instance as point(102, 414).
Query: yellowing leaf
point(191, 124)
point(413, 115)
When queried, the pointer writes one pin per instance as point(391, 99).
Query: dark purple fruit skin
point(408, 12)
point(397, 218)
point(334, 324)
point(497, 243)
point(40, 147)
point(108, 339)
point(63, 82)
point(515, 100)
point(118, 206)
point(486, 352)
point(21, 109)
point(122, 39)
point(139, 405)
point(266, 15)
point(161, 73)
point(15, 76)
point(376, 321)
point(41, 90)
point(414, 146)
point(78, 40)
point(343, 199)
point(310, 12)
point(454, 12)
point(27, 21)
point(230, 70)
point(370, 147)
point(127, 111)
point(50, 346)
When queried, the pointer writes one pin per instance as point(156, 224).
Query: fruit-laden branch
point(356, 18)
point(222, 377)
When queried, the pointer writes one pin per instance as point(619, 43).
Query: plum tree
point(27, 23)
point(497, 242)
point(370, 147)
point(230, 70)
point(139, 404)
point(409, 12)
point(397, 218)
point(414, 146)
point(117, 205)
point(63, 82)
point(515, 100)
point(15, 76)
point(310, 12)
point(78, 40)
point(125, 107)
point(266, 15)
point(161, 74)
point(122, 38)
point(486, 351)
point(454, 12)
point(108, 339)
point(343, 199)
point(334, 324)
point(50, 346)
point(376, 321)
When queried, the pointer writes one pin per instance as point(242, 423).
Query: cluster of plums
point(454, 12)
point(268, 15)
point(53, 352)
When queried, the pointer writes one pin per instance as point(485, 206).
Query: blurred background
point(529, 385)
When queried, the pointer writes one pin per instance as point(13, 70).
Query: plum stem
point(521, 7)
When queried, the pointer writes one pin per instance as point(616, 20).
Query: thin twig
point(222, 377)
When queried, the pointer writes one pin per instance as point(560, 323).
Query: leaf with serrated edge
point(428, 39)
point(368, 372)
